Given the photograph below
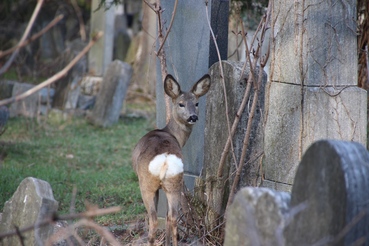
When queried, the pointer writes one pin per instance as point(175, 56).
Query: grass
point(74, 154)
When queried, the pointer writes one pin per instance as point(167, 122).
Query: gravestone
point(113, 90)
point(26, 107)
point(68, 88)
point(333, 179)
point(257, 217)
point(313, 84)
point(32, 203)
point(328, 204)
point(6, 88)
point(101, 54)
point(216, 187)
point(189, 55)
point(34, 104)
point(4, 115)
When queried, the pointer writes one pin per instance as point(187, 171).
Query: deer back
point(153, 144)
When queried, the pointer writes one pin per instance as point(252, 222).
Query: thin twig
point(151, 6)
point(66, 232)
point(82, 27)
point(33, 38)
point(237, 118)
point(245, 146)
point(161, 52)
point(25, 35)
point(367, 63)
point(257, 84)
point(57, 76)
point(223, 79)
point(244, 101)
point(88, 214)
point(170, 26)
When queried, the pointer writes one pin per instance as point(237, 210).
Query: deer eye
point(197, 104)
point(181, 105)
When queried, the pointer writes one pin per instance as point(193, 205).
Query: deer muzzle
point(192, 119)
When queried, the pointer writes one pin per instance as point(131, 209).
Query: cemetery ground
point(73, 154)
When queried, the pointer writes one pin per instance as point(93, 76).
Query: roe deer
point(157, 157)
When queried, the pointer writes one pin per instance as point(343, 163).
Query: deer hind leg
point(171, 224)
point(150, 200)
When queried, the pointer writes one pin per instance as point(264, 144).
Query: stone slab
point(216, 132)
point(257, 217)
point(317, 40)
point(6, 88)
point(110, 98)
point(333, 180)
point(26, 107)
point(90, 85)
point(101, 54)
point(32, 202)
point(276, 185)
point(328, 112)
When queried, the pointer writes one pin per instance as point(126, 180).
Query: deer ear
point(171, 87)
point(202, 86)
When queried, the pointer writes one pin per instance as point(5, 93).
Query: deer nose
point(192, 119)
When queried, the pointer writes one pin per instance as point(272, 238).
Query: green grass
point(96, 161)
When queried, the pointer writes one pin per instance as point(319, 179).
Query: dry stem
point(161, 52)
point(223, 82)
point(33, 38)
point(257, 84)
point(57, 76)
point(91, 213)
point(25, 35)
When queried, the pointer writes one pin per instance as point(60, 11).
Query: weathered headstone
point(32, 202)
point(4, 115)
point(216, 128)
point(122, 39)
point(257, 217)
point(313, 89)
point(113, 90)
point(333, 180)
point(6, 88)
point(26, 107)
point(189, 56)
point(101, 54)
point(68, 87)
point(90, 85)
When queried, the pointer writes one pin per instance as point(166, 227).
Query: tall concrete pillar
point(189, 54)
point(101, 54)
point(313, 91)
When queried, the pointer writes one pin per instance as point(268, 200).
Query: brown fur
point(168, 140)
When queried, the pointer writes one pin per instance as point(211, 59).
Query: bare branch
point(25, 35)
point(33, 38)
point(257, 84)
point(91, 213)
point(104, 233)
point(57, 76)
point(161, 52)
point(82, 28)
point(223, 81)
point(151, 6)
point(170, 26)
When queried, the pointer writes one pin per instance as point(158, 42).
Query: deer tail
point(163, 170)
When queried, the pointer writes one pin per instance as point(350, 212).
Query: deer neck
point(180, 131)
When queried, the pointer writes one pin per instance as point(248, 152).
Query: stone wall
point(313, 90)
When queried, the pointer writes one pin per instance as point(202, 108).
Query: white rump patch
point(165, 166)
